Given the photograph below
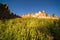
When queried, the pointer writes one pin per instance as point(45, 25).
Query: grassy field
point(29, 29)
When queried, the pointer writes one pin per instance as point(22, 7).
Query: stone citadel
point(41, 14)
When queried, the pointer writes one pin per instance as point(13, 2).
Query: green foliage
point(29, 29)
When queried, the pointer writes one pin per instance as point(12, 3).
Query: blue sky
point(21, 7)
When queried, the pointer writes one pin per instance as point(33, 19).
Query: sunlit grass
point(29, 29)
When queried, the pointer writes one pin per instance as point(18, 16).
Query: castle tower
point(43, 13)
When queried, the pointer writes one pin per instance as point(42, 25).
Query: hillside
point(29, 29)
